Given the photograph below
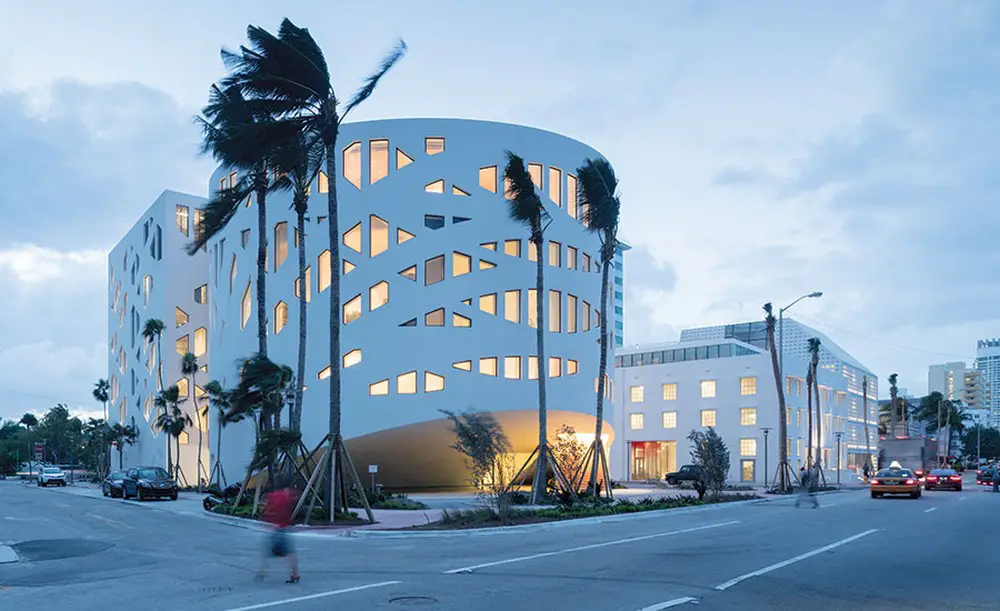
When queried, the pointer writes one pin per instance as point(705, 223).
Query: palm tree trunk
point(218, 453)
point(121, 451)
point(809, 417)
point(261, 191)
point(892, 414)
point(864, 402)
point(602, 369)
point(177, 464)
point(197, 416)
point(170, 460)
point(541, 467)
point(295, 419)
point(819, 420)
point(334, 238)
point(782, 482)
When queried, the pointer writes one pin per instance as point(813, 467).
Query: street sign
point(373, 468)
point(39, 451)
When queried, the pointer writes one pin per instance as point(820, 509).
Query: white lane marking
point(930, 510)
point(670, 603)
point(961, 498)
point(315, 596)
point(581, 548)
point(63, 505)
point(114, 523)
point(732, 582)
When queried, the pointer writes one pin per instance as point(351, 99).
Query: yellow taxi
point(895, 481)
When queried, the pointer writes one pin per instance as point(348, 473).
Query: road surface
point(937, 552)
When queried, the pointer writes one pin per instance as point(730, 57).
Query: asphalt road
point(937, 552)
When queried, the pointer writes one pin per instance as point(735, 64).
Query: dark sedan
point(943, 479)
point(112, 485)
point(146, 483)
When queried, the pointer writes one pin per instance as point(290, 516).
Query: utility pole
point(766, 430)
point(838, 435)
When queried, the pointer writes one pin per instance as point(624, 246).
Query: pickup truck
point(687, 473)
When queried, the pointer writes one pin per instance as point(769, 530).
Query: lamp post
point(766, 430)
point(838, 435)
point(781, 331)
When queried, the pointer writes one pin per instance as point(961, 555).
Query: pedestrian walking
point(806, 489)
point(995, 473)
point(278, 508)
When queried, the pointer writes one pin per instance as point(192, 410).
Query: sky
point(765, 150)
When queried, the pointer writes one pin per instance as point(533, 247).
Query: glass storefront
point(652, 459)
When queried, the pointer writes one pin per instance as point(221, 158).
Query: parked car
point(687, 473)
point(943, 479)
point(112, 485)
point(51, 476)
point(145, 483)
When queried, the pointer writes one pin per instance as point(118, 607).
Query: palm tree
point(218, 397)
point(526, 207)
point(30, 422)
point(809, 416)
point(288, 75)
point(166, 402)
point(783, 467)
point(153, 331)
point(598, 188)
point(893, 391)
point(814, 370)
point(178, 424)
point(189, 367)
point(122, 435)
point(101, 394)
point(864, 403)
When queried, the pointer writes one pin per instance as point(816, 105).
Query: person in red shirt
point(278, 508)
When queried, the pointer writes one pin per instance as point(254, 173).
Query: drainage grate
point(413, 601)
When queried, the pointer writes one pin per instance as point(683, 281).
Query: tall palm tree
point(30, 422)
point(526, 207)
point(809, 416)
point(189, 367)
point(152, 331)
point(782, 481)
point(166, 403)
point(101, 393)
point(814, 369)
point(122, 435)
point(288, 75)
point(598, 188)
point(218, 397)
point(179, 423)
point(864, 403)
point(893, 392)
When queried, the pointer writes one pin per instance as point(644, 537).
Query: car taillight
point(910, 482)
point(955, 478)
point(932, 478)
point(875, 482)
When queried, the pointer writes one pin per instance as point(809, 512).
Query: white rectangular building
point(988, 362)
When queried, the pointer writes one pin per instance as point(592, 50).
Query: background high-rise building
point(988, 362)
point(957, 381)
point(619, 294)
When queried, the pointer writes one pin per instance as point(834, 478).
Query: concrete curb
point(7, 554)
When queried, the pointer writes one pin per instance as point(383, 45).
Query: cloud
point(33, 264)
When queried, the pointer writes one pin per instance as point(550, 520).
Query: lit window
point(798, 447)
point(324, 265)
point(352, 358)
point(748, 416)
point(489, 246)
point(488, 178)
point(488, 366)
point(406, 384)
point(456, 191)
point(323, 183)
point(433, 146)
point(586, 263)
point(532, 367)
point(571, 257)
point(183, 389)
point(635, 394)
point(245, 308)
point(512, 367)
point(352, 163)
point(585, 214)
point(280, 316)
point(636, 421)
point(410, 273)
point(572, 367)
point(571, 302)
point(555, 367)
point(280, 244)
point(378, 389)
point(201, 294)
point(535, 171)
point(484, 264)
point(180, 317)
point(434, 318)
point(402, 236)
point(348, 266)
point(463, 365)
point(435, 187)
point(378, 295)
point(378, 236)
point(147, 287)
point(748, 386)
point(378, 160)
point(488, 303)
point(467, 302)
point(461, 264)
point(352, 238)
point(670, 392)
point(512, 306)
point(555, 254)
point(532, 251)
point(571, 195)
point(457, 320)
point(200, 341)
point(308, 279)
point(512, 248)
point(708, 417)
point(533, 308)
point(402, 159)
point(555, 307)
point(244, 238)
point(433, 221)
point(555, 185)
point(434, 270)
point(669, 420)
point(433, 382)
point(352, 309)
point(232, 274)
point(183, 345)
point(748, 447)
point(181, 215)
point(586, 316)
point(707, 389)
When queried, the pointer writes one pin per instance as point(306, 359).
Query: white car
point(52, 476)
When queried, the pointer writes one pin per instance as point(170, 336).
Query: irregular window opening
point(378, 295)
point(402, 236)
point(433, 382)
point(410, 273)
point(348, 267)
point(535, 170)
point(512, 248)
point(325, 266)
point(555, 367)
point(323, 183)
point(463, 365)
point(245, 308)
point(433, 146)
point(512, 367)
point(456, 191)
point(512, 306)
point(435, 187)
point(457, 320)
point(352, 238)
point(410, 323)
point(484, 264)
point(352, 358)
point(280, 244)
point(378, 236)
point(182, 345)
point(571, 367)
point(434, 318)
point(489, 246)
point(352, 309)
point(406, 383)
point(201, 294)
point(402, 159)
point(280, 316)
point(488, 366)
point(555, 185)
point(380, 388)
point(378, 160)
point(488, 303)
point(488, 178)
point(434, 270)
point(352, 164)
point(460, 219)
point(181, 317)
point(461, 264)
point(433, 221)
point(308, 278)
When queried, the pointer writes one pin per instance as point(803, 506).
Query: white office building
point(988, 362)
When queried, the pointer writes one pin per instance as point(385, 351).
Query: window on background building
point(788, 446)
point(455, 190)
point(352, 163)
point(636, 421)
point(555, 367)
point(409, 273)
point(571, 257)
point(512, 248)
point(488, 178)
point(181, 216)
point(669, 420)
point(461, 264)
point(434, 318)
point(433, 382)
point(200, 341)
point(233, 270)
point(585, 315)
point(512, 367)
point(457, 320)
point(406, 383)
point(347, 266)
point(352, 309)
point(436, 186)
point(635, 394)
point(434, 270)
point(707, 389)
point(748, 416)
point(798, 447)
point(555, 311)
point(201, 294)
point(324, 268)
point(747, 470)
point(147, 288)
point(378, 295)
point(324, 373)
point(535, 171)
point(402, 159)
point(571, 302)
point(670, 391)
point(244, 307)
point(488, 303)
point(572, 367)
point(183, 389)
point(555, 185)
point(352, 238)
point(378, 389)
point(571, 195)
point(433, 146)
point(708, 417)
point(463, 365)
point(403, 236)
point(308, 291)
point(322, 182)
point(180, 317)
point(748, 386)
point(798, 417)
point(378, 236)
point(378, 160)
point(489, 246)
point(183, 345)
point(488, 366)
point(512, 306)
point(532, 367)
point(532, 250)
point(555, 254)
point(352, 358)
point(532, 308)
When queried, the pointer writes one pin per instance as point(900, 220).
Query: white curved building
point(437, 295)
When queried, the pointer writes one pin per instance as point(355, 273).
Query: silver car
point(52, 476)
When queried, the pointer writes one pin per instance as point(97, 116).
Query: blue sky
point(765, 150)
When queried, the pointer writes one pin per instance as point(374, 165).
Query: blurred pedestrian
point(806, 489)
point(278, 508)
point(995, 474)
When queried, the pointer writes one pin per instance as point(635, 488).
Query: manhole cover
point(413, 601)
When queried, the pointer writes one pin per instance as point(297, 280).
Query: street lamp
point(838, 435)
point(781, 332)
point(766, 430)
